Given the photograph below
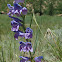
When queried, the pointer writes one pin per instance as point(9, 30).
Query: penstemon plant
point(27, 33)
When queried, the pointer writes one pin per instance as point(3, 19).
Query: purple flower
point(29, 47)
point(24, 59)
point(38, 59)
point(17, 10)
point(15, 28)
point(15, 25)
point(21, 48)
point(26, 46)
point(17, 6)
point(17, 34)
point(11, 12)
point(19, 1)
point(28, 30)
point(10, 7)
point(24, 11)
point(28, 33)
point(16, 19)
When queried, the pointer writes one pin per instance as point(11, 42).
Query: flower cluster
point(26, 46)
point(16, 23)
point(28, 32)
point(17, 9)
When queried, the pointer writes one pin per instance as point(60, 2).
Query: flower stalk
point(27, 33)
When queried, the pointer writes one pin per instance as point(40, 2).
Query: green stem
point(26, 39)
point(31, 21)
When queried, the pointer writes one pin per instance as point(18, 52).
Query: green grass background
point(9, 47)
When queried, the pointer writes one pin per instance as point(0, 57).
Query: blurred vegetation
point(50, 7)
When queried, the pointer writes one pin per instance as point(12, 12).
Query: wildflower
point(17, 34)
point(15, 25)
point(29, 47)
point(29, 30)
point(10, 7)
point(16, 19)
point(24, 11)
point(11, 12)
point(24, 59)
point(26, 46)
point(38, 59)
point(17, 6)
point(15, 28)
point(21, 48)
point(17, 9)
point(19, 1)
point(27, 34)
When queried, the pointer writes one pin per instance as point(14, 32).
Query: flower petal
point(24, 11)
point(16, 19)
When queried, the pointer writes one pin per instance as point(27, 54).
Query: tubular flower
point(26, 46)
point(24, 11)
point(22, 34)
point(15, 25)
point(27, 34)
point(11, 12)
point(21, 48)
point(16, 19)
point(24, 59)
point(29, 30)
point(10, 7)
point(17, 10)
point(38, 59)
point(17, 34)
point(29, 47)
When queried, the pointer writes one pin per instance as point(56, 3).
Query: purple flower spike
point(19, 1)
point(16, 19)
point(24, 11)
point(24, 59)
point(38, 59)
